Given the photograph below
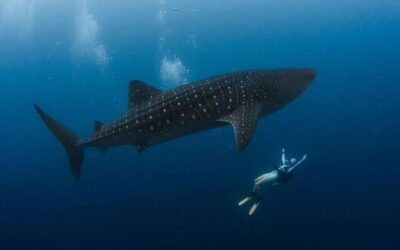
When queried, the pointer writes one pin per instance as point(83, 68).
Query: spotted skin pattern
point(238, 98)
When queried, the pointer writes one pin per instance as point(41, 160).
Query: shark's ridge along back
point(155, 116)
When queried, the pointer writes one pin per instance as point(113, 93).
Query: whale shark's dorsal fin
point(140, 92)
point(243, 120)
point(97, 126)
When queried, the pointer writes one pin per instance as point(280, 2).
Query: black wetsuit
point(284, 175)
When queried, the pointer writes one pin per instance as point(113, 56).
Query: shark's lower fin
point(243, 120)
point(67, 138)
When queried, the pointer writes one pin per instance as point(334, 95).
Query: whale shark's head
point(276, 88)
point(293, 82)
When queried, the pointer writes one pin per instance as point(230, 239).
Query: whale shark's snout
point(294, 82)
point(304, 79)
point(301, 78)
point(310, 74)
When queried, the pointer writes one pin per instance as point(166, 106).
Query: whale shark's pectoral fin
point(244, 121)
point(141, 92)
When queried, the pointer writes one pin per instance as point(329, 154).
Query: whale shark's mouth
point(310, 74)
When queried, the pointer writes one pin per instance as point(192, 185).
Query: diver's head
point(293, 161)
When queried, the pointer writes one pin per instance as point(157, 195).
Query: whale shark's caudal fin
point(67, 138)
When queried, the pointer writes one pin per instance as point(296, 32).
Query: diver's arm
point(298, 163)
point(283, 157)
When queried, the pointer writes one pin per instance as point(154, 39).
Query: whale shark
point(154, 115)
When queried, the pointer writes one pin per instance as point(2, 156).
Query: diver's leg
point(256, 187)
point(266, 178)
point(250, 197)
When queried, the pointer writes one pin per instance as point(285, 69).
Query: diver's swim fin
point(253, 208)
point(245, 200)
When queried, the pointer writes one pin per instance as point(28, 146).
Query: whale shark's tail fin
point(67, 138)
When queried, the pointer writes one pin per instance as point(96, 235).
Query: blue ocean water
point(75, 59)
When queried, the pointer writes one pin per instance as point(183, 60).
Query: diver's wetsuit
point(284, 175)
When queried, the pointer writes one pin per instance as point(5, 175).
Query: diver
point(282, 174)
